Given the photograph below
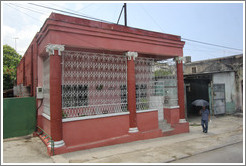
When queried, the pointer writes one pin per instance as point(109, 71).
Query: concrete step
point(164, 126)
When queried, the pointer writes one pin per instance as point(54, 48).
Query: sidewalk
point(223, 131)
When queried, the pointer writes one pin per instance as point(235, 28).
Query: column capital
point(178, 59)
point(131, 54)
point(51, 47)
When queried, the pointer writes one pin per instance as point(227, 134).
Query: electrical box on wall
point(40, 94)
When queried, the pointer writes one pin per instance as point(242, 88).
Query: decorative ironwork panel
point(93, 83)
point(167, 86)
point(147, 88)
point(145, 85)
point(46, 85)
point(170, 91)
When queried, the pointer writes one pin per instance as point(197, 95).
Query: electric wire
point(22, 12)
point(69, 9)
point(186, 39)
point(151, 18)
point(190, 40)
point(85, 7)
point(27, 8)
point(216, 45)
point(63, 11)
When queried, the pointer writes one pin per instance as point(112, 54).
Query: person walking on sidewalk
point(205, 118)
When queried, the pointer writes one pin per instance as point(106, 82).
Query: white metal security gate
point(158, 98)
point(148, 91)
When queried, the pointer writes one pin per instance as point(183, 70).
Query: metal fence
point(19, 116)
point(93, 84)
point(96, 83)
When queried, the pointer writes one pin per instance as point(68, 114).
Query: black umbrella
point(200, 102)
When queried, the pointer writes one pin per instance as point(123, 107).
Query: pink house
point(97, 83)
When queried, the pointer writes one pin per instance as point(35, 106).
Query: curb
point(60, 159)
point(208, 150)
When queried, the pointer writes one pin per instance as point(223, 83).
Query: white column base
point(133, 130)
point(182, 121)
point(57, 144)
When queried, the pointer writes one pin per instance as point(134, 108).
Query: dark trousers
point(204, 124)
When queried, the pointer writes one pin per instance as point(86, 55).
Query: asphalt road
point(228, 154)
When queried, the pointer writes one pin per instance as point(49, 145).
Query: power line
point(71, 13)
point(152, 18)
point(211, 44)
point(20, 24)
point(61, 7)
point(206, 47)
point(191, 40)
point(22, 12)
point(88, 5)
point(27, 8)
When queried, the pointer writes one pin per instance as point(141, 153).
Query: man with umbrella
point(205, 118)
point(204, 113)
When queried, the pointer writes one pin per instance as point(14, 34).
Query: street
point(228, 154)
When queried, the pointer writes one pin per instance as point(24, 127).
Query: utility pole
point(15, 43)
point(125, 14)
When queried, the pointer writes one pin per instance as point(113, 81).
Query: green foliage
point(64, 114)
point(161, 72)
point(10, 61)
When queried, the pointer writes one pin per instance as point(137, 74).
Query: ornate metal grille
point(93, 84)
point(46, 85)
point(145, 85)
point(170, 90)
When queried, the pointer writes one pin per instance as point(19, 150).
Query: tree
point(161, 72)
point(10, 61)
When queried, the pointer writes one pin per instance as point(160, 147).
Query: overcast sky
point(215, 23)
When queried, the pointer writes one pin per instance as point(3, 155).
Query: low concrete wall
point(44, 123)
point(91, 130)
point(95, 131)
point(171, 115)
point(147, 121)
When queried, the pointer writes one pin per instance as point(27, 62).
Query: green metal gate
point(19, 116)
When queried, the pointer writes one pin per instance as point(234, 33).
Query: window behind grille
point(75, 95)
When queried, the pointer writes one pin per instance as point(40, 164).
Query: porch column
point(131, 91)
point(55, 93)
point(180, 82)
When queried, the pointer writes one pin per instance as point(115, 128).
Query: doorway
point(195, 89)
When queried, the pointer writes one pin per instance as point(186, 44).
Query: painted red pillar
point(131, 91)
point(180, 81)
point(55, 93)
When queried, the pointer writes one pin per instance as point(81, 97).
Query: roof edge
point(108, 26)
